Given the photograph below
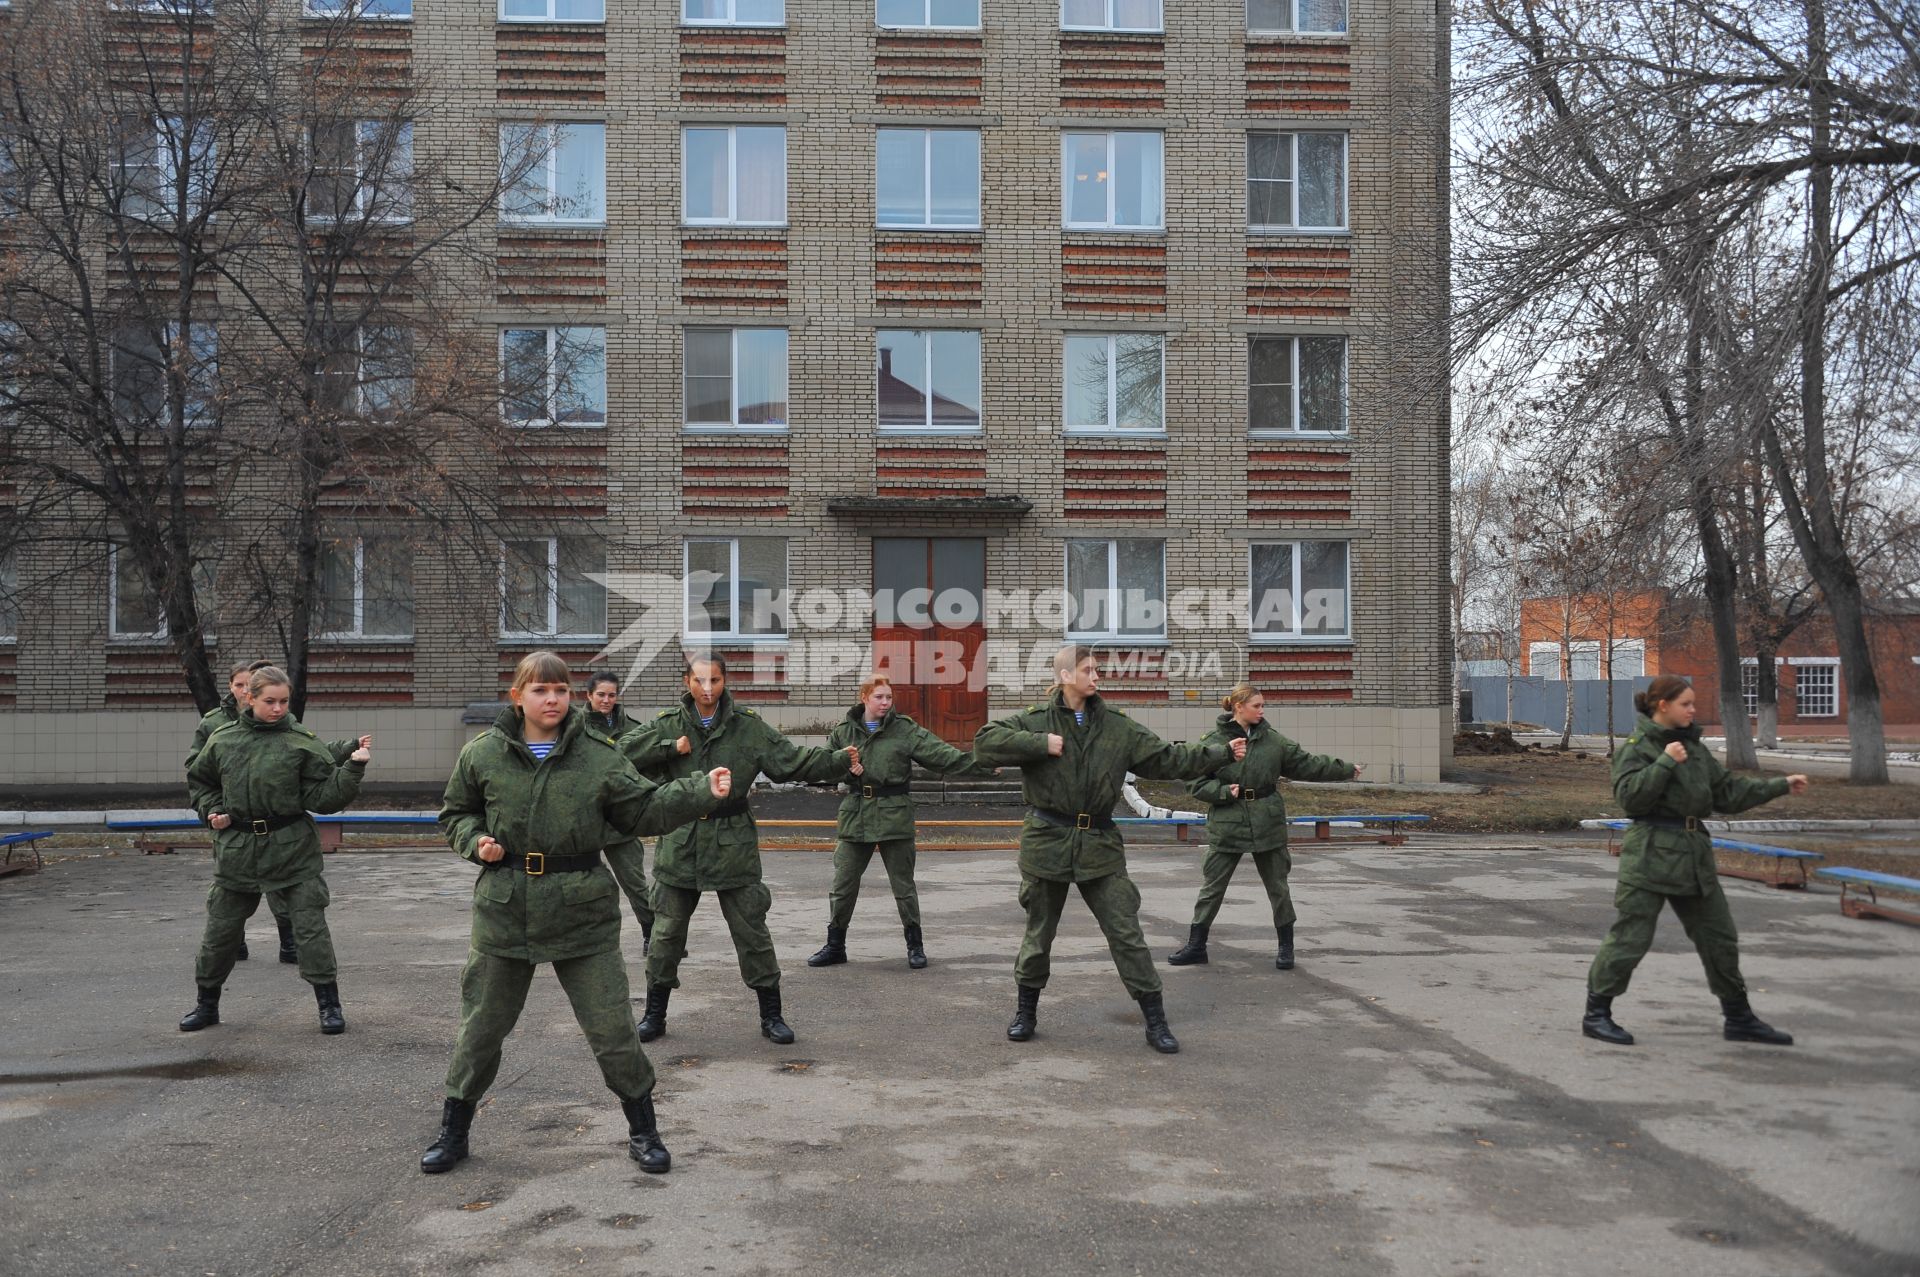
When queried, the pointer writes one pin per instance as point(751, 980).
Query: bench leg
point(330, 836)
point(152, 846)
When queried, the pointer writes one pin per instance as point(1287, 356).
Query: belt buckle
point(1693, 824)
point(866, 791)
point(1083, 821)
point(260, 829)
point(536, 864)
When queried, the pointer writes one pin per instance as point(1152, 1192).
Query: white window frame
point(1109, 24)
point(1831, 664)
point(735, 606)
point(1750, 686)
point(1293, 341)
point(927, 426)
point(360, 405)
point(1626, 647)
point(733, 425)
point(548, 17)
point(356, 9)
point(1294, 635)
point(926, 8)
point(926, 176)
point(1296, 28)
point(203, 588)
point(1554, 673)
point(159, 128)
point(9, 586)
point(1113, 185)
point(396, 186)
point(1293, 227)
point(359, 631)
point(551, 159)
point(730, 21)
point(551, 398)
point(552, 631)
point(205, 415)
point(1112, 427)
point(732, 216)
point(1114, 599)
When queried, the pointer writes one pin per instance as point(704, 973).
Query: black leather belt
point(1253, 793)
point(538, 864)
point(1691, 824)
point(732, 807)
point(883, 791)
point(261, 828)
point(1078, 820)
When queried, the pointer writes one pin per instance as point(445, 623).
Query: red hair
point(878, 680)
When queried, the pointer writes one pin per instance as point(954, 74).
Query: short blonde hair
point(267, 676)
point(542, 667)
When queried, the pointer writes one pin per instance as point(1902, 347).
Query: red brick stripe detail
point(724, 478)
point(147, 676)
point(1114, 279)
point(1288, 76)
point(577, 656)
point(732, 269)
point(1113, 71)
point(915, 69)
point(374, 59)
point(1133, 675)
point(565, 65)
point(1302, 676)
point(556, 471)
point(1299, 483)
point(920, 469)
point(1299, 282)
point(1100, 482)
point(927, 273)
point(733, 67)
point(347, 676)
point(557, 270)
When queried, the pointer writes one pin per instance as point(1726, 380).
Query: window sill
point(686, 225)
point(732, 26)
point(1312, 232)
point(365, 640)
point(524, 225)
point(1322, 37)
point(558, 640)
point(925, 27)
point(1077, 433)
point(692, 429)
point(928, 432)
point(505, 21)
point(1300, 640)
point(1088, 228)
point(1121, 640)
point(737, 640)
point(1147, 31)
point(912, 229)
point(1301, 436)
point(555, 425)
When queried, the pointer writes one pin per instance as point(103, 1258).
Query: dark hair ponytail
point(1660, 691)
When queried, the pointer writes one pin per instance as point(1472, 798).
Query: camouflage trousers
point(1708, 923)
point(1217, 870)
point(850, 861)
point(1115, 903)
point(492, 993)
point(305, 904)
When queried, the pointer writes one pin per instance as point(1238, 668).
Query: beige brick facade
point(831, 279)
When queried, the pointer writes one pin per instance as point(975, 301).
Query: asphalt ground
point(1415, 1098)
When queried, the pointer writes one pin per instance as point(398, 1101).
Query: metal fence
point(1544, 701)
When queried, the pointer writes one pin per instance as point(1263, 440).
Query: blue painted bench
point(29, 839)
point(156, 835)
point(1777, 876)
point(1393, 835)
point(1872, 883)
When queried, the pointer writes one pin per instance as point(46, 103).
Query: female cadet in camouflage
point(606, 714)
point(1247, 815)
point(720, 854)
point(1074, 754)
point(1668, 781)
point(227, 711)
point(532, 801)
point(877, 815)
point(253, 782)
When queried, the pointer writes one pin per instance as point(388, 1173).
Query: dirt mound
point(1497, 741)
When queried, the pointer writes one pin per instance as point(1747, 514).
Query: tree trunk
point(1766, 682)
point(1566, 669)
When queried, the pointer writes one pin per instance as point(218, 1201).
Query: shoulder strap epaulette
point(742, 709)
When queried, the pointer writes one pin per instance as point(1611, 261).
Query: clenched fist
point(719, 782)
point(683, 746)
point(1237, 747)
point(1056, 744)
point(219, 820)
point(489, 850)
point(1676, 751)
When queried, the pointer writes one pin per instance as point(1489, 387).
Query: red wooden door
point(928, 627)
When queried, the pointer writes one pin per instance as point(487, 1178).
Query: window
point(554, 173)
point(733, 13)
point(928, 178)
point(362, 169)
point(954, 14)
point(1816, 689)
point(736, 587)
point(366, 588)
point(1299, 590)
point(1110, 15)
point(9, 594)
point(554, 376)
point(553, 10)
point(1308, 17)
point(369, 370)
point(134, 611)
point(13, 373)
point(360, 8)
point(1297, 385)
point(1111, 181)
point(547, 590)
point(929, 379)
point(1116, 589)
point(1629, 659)
point(1750, 685)
point(1114, 383)
point(734, 175)
point(1543, 661)
point(736, 379)
point(1297, 181)
point(149, 162)
point(1584, 660)
point(141, 357)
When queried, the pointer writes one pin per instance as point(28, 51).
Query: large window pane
point(1270, 383)
point(956, 379)
point(1270, 179)
point(902, 388)
point(1269, 15)
point(1142, 584)
point(953, 13)
point(1137, 181)
point(762, 356)
point(580, 376)
point(1323, 587)
point(1089, 587)
point(523, 372)
point(705, 160)
point(709, 587)
point(1136, 15)
point(1138, 382)
point(523, 167)
point(1083, 13)
point(337, 582)
point(1089, 399)
point(710, 376)
point(582, 600)
point(1271, 579)
point(1323, 15)
point(900, 177)
point(527, 578)
point(953, 157)
point(580, 172)
point(9, 594)
point(761, 160)
point(763, 586)
point(387, 586)
point(1084, 157)
point(1323, 383)
point(1323, 179)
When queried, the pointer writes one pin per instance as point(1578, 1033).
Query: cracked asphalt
point(1414, 1099)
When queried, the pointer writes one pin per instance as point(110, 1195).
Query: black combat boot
point(1283, 961)
point(288, 952)
point(1194, 952)
point(328, 997)
point(205, 1013)
point(654, 1022)
point(833, 952)
point(916, 951)
point(1599, 1024)
point(772, 1027)
point(643, 1137)
point(1159, 1036)
point(1026, 1016)
point(240, 954)
point(1742, 1024)
point(456, 1118)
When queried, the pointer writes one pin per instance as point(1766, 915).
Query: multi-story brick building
point(973, 295)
